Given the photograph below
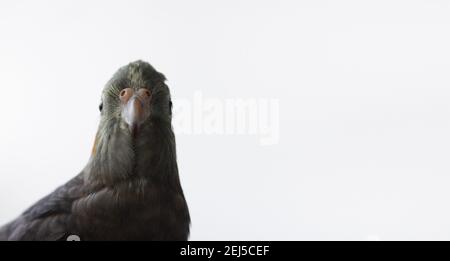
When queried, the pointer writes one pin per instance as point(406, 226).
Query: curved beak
point(135, 108)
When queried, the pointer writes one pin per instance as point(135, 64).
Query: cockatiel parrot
point(130, 188)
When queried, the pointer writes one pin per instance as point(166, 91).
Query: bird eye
point(147, 93)
point(100, 107)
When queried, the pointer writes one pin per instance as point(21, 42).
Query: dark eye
point(100, 107)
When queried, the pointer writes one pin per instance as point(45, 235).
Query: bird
point(130, 187)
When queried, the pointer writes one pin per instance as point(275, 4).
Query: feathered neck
point(117, 157)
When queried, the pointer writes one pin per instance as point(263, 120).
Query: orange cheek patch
point(94, 148)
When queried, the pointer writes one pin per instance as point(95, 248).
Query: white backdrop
point(363, 94)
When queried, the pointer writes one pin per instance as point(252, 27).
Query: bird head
point(136, 113)
point(134, 97)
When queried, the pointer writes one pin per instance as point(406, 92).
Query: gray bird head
point(135, 112)
point(134, 97)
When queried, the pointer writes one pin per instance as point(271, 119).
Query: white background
point(364, 96)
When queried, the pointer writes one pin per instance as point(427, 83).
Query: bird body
point(130, 188)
